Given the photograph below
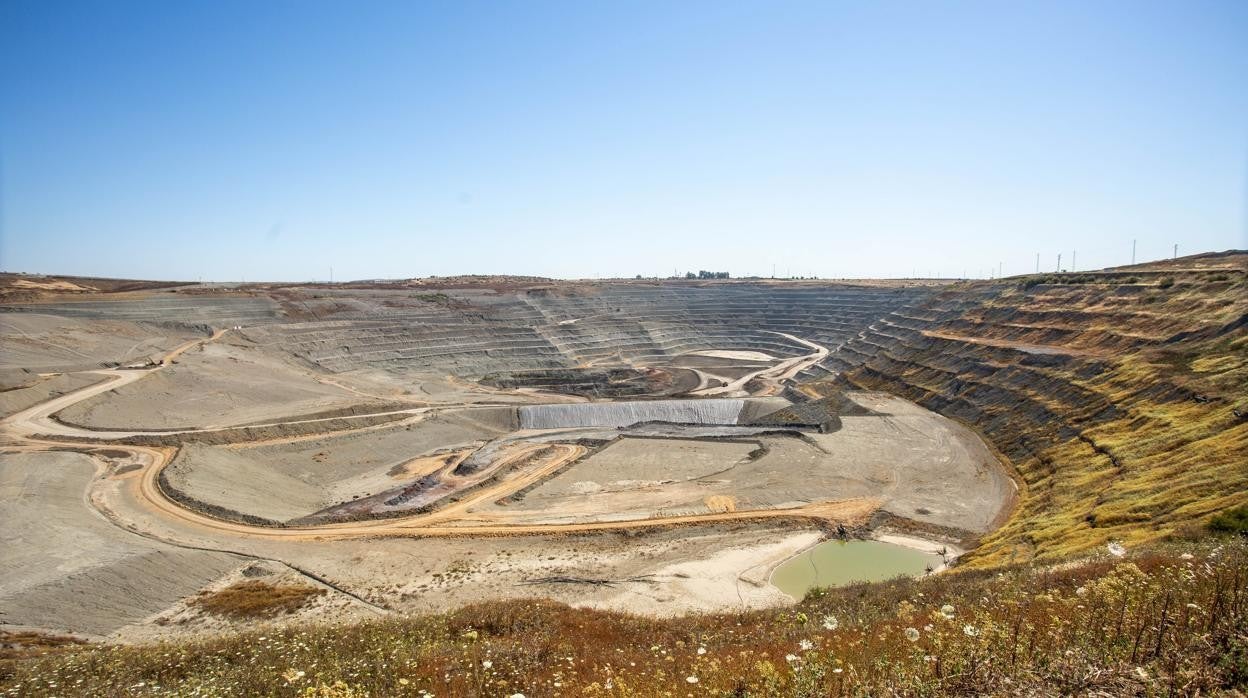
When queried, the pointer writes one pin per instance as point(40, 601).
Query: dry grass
point(1130, 434)
point(15, 644)
point(253, 599)
point(1164, 621)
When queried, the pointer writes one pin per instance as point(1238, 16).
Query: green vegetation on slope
point(1231, 521)
point(1122, 407)
point(1164, 621)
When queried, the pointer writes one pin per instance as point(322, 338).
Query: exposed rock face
point(1114, 398)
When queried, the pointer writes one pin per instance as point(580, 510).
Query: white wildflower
point(790, 658)
point(1115, 548)
point(806, 645)
point(947, 611)
point(691, 679)
point(970, 630)
point(830, 623)
point(701, 650)
point(487, 663)
point(912, 634)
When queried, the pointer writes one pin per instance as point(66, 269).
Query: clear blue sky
point(271, 140)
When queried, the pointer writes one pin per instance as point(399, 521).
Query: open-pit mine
point(650, 446)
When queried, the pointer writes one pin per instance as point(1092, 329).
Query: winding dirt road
point(774, 375)
point(519, 466)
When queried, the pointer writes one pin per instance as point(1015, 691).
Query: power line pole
point(1133, 251)
point(1000, 266)
point(1037, 262)
point(331, 276)
point(1073, 256)
point(1059, 262)
point(1176, 250)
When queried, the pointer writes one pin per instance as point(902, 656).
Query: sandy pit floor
point(918, 464)
point(947, 477)
point(731, 354)
point(290, 479)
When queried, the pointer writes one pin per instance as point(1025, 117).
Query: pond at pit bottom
point(837, 563)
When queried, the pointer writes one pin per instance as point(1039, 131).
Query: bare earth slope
point(65, 568)
point(46, 343)
point(221, 384)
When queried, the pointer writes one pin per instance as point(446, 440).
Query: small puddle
point(837, 563)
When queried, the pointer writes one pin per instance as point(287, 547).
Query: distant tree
point(690, 275)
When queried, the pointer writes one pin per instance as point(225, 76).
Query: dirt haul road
point(454, 520)
point(34, 430)
point(774, 375)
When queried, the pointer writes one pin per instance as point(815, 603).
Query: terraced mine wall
point(482, 333)
point(200, 312)
point(623, 414)
point(1122, 406)
point(599, 383)
point(477, 333)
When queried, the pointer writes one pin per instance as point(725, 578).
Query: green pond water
point(836, 563)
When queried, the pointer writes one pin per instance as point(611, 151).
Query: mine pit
point(343, 431)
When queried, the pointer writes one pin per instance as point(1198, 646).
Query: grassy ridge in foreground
point(1170, 620)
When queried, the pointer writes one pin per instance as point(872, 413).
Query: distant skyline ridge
point(239, 141)
point(1156, 265)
